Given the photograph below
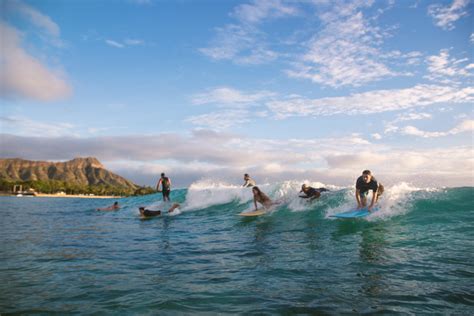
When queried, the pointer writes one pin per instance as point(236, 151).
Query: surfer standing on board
point(165, 187)
point(260, 197)
point(364, 184)
point(249, 182)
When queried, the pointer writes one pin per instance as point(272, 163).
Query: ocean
point(414, 256)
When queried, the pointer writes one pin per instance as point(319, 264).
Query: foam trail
point(207, 193)
point(398, 200)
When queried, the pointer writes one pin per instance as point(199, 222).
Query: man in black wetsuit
point(165, 187)
point(149, 213)
point(310, 192)
point(364, 184)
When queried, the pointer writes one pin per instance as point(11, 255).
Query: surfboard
point(355, 213)
point(258, 212)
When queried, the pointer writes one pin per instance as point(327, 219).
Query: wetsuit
point(365, 187)
point(150, 213)
point(165, 184)
point(314, 193)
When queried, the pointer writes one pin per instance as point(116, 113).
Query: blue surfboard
point(363, 212)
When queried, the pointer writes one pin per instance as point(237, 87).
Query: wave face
point(413, 256)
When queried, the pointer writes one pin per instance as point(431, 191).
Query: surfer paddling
point(310, 192)
point(148, 213)
point(364, 184)
point(113, 207)
point(165, 187)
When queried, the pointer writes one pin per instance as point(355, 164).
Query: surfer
point(364, 184)
point(165, 187)
point(262, 198)
point(147, 213)
point(249, 182)
point(310, 192)
point(113, 207)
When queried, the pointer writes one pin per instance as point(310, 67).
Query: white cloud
point(444, 69)
point(226, 96)
point(471, 38)
point(412, 116)
point(244, 42)
point(218, 155)
point(376, 101)
point(35, 17)
point(26, 127)
point(465, 126)
point(347, 51)
point(220, 120)
point(445, 16)
point(390, 127)
point(376, 136)
point(114, 43)
point(132, 42)
point(124, 43)
point(259, 11)
point(25, 76)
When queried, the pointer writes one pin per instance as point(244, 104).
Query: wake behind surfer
point(249, 182)
point(310, 192)
point(365, 183)
point(165, 186)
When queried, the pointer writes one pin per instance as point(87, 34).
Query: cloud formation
point(27, 127)
point(126, 42)
point(243, 42)
point(445, 16)
point(463, 127)
point(208, 154)
point(230, 97)
point(444, 69)
point(24, 76)
point(376, 101)
point(345, 52)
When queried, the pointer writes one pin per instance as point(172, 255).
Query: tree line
point(55, 186)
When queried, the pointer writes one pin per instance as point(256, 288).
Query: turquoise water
point(414, 256)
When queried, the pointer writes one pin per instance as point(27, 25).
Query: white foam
point(396, 200)
point(206, 193)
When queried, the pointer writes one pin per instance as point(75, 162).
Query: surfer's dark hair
point(257, 189)
point(367, 172)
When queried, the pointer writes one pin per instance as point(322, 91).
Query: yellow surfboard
point(258, 212)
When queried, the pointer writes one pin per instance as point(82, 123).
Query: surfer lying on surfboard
point(310, 192)
point(147, 213)
point(364, 184)
point(113, 207)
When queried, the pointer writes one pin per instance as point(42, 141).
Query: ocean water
point(414, 256)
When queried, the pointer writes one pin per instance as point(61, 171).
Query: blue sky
point(317, 90)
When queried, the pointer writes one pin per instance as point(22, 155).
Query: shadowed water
point(60, 255)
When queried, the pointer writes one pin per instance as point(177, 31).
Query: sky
point(208, 90)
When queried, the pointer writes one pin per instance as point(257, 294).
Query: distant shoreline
point(67, 196)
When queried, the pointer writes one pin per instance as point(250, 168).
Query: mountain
point(79, 171)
